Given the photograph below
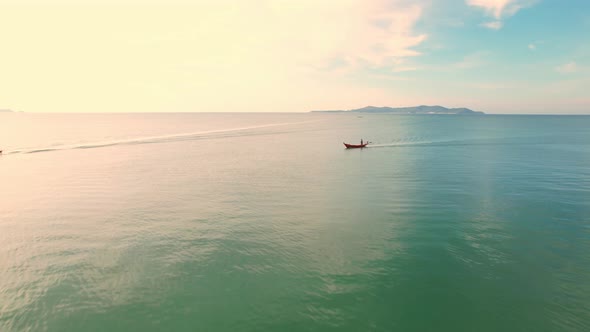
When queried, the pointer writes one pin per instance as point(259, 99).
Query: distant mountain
point(5, 110)
point(423, 109)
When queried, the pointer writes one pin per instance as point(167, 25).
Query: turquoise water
point(264, 222)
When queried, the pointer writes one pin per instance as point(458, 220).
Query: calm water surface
point(264, 222)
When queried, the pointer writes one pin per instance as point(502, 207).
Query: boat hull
point(355, 146)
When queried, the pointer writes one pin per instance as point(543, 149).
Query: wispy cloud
point(495, 85)
point(567, 68)
point(499, 9)
point(494, 25)
point(469, 61)
point(389, 34)
point(365, 35)
point(534, 45)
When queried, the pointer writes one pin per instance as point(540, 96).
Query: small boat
point(355, 146)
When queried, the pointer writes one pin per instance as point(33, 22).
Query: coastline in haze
point(412, 110)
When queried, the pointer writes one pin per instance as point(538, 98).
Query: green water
point(264, 222)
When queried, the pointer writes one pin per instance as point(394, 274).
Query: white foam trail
point(153, 139)
point(412, 142)
point(408, 143)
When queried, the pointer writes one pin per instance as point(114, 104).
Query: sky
point(496, 56)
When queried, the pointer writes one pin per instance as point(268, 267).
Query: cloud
point(534, 45)
point(567, 68)
point(354, 34)
point(499, 9)
point(494, 25)
point(386, 34)
point(494, 85)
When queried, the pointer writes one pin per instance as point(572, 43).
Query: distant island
point(5, 110)
point(423, 109)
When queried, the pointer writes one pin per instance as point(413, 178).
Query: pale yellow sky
point(206, 56)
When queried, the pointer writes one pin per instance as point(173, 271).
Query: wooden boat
point(355, 146)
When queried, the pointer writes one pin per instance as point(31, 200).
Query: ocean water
point(264, 222)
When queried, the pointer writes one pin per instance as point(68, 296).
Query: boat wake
point(395, 144)
point(209, 134)
point(420, 142)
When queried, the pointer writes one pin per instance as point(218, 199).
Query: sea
point(265, 222)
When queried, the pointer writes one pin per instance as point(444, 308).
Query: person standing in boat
point(361, 141)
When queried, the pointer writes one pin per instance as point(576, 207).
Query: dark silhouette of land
point(423, 109)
